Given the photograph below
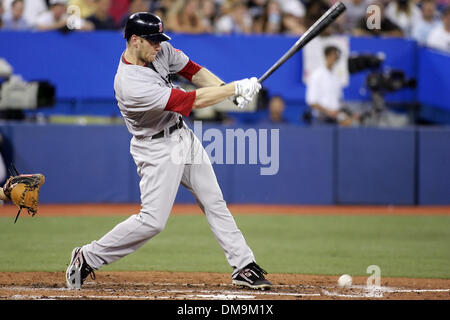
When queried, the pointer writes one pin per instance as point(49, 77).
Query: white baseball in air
point(345, 281)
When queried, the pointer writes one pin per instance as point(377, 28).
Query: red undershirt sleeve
point(189, 70)
point(181, 102)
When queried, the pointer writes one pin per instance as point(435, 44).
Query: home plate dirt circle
point(154, 285)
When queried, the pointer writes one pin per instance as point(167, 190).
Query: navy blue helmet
point(147, 26)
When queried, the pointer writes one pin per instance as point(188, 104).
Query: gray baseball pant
point(162, 165)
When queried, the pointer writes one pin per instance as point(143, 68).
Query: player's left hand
point(247, 88)
point(244, 99)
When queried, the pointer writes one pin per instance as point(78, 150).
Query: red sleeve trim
point(181, 102)
point(189, 70)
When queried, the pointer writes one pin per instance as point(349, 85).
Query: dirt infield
point(49, 210)
point(212, 286)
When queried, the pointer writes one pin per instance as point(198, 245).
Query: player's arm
point(200, 76)
point(205, 78)
point(183, 102)
point(209, 92)
point(212, 89)
point(211, 95)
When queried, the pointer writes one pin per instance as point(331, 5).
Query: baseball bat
point(324, 21)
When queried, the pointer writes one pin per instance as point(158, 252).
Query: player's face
point(148, 50)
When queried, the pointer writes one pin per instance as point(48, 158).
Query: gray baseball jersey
point(143, 93)
point(150, 105)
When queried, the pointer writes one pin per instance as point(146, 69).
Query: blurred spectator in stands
point(439, 37)
point(32, 9)
point(324, 92)
point(270, 21)
point(314, 10)
point(256, 8)
point(117, 9)
point(161, 8)
point(135, 6)
point(101, 18)
point(387, 27)
point(356, 9)
point(294, 7)
point(292, 25)
point(1, 13)
point(184, 17)
point(15, 20)
point(87, 7)
point(403, 13)
point(442, 4)
point(208, 15)
point(276, 110)
point(236, 18)
point(56, 18)
point(429, 20)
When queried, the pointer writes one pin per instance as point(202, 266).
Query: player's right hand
point(247, 88)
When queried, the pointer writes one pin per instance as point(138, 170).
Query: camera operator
point(324, 91)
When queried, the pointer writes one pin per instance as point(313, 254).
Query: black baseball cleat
point(78, 270)
point(252, 276)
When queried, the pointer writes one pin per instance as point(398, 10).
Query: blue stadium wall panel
point(434, 166)
point(434, 78)
point(92, 164)
point(376, 166)
point(81, 164)
point(304, 168)
point(82, 65)
point(305, 171)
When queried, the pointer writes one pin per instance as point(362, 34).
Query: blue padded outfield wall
point(433, 166)
point(320, 165)
point(376, 166)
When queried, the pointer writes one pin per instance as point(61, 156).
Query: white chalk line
point(361, 295)
point(218, 294)
point(367, 292)
point(292, 286)
point(204, 285)
point(377, 291)
point(396, 290)
point(191, 296)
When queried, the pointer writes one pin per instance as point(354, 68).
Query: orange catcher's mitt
point(23, 191)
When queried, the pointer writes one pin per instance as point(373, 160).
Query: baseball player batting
point(153, 110)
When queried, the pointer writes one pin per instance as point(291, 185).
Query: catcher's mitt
point(23, 191)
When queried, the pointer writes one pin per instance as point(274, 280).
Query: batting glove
point(247, 88)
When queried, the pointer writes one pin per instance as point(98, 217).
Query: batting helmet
point(147, 26)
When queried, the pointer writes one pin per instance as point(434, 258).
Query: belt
point(176, 126)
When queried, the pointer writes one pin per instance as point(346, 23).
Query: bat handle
point(264, 77)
